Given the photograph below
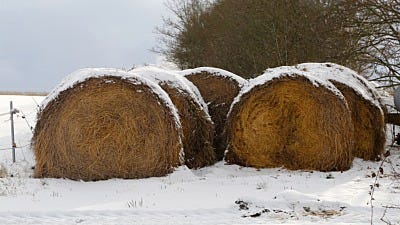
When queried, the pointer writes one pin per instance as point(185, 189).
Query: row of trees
point(246, 37)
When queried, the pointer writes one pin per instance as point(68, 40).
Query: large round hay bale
point(106, 123)
point(364, 103)
point(288, 118)
point(218, 88)
point(197, 126)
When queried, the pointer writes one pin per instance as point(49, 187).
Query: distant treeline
point(26, 93)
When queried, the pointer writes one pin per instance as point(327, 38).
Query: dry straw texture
point(290, 122)
point(369, 124)
point(198, 131)
point(366, 113)
point(197, 127)
point(106, 128)
point(218, 92)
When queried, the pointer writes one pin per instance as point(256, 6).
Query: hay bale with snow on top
point(197, 127)
point(288, 118)
point(218, 88)
point(106, 123)
point(364, 103)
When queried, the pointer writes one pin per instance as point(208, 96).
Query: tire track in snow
point(209, 216)
point(177, 217)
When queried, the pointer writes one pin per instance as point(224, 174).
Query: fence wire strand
point(20, 147)
point(5, 114)
point(23, 116)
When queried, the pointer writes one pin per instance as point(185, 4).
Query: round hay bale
point(106, 123)
point(218, 88)
point(197, 127)
point(288, 118)
point(364, 103)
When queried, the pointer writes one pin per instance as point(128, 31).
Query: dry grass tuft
point(289, 122)
point(106, 128)
point(3, 172)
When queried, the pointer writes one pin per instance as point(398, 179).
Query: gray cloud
point(41, 41)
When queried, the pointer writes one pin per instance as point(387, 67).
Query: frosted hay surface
point(217, 72)
point(281, 72)
point(160, 76)
point(345, 76)
point(81, 75)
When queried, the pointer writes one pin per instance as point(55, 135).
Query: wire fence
point(5, 114)
point(19, 117)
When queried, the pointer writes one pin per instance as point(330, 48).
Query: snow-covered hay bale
point(288, 118)
point(363, 100)
point(106, 123)
point(218, 88)
point(198, 129)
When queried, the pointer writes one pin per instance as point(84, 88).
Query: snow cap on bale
point(198, 129)
point(288, 118)
point(364, 103)
point(218, 88)
point(107, 123)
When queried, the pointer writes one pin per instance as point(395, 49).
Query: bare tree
point(183, 37)
point(376, 25)
point(249, 36)
point(246, 37)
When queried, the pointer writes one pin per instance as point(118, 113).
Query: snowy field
point(220, 194)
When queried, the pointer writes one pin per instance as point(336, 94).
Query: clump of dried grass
point(218, 92)
point(292, 123)
point(106, 128)
point(3, 171)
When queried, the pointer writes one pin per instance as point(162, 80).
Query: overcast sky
point(41, 41)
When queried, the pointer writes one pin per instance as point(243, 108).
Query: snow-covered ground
point(220, 194)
